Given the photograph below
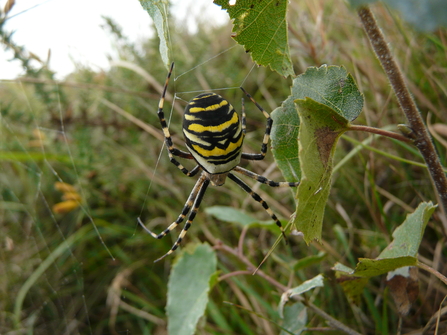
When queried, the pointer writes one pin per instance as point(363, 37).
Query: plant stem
point(437, 274)
point(333, 322)
point(421, 137)
point(381, 132)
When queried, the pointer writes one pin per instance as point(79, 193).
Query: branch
point(420, 135)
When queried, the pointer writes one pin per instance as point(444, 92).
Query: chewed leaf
point(157, 9)
point(261, 27)
point(320, 130)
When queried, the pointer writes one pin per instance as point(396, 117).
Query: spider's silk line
point(195, 67)
point(248, 74)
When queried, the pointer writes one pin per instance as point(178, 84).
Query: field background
point(100, 277)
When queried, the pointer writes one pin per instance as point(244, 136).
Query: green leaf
point(424, 15)
point(402, 251)
point(298, 290)
point(320, 130)
point(261, 27)
point(188, 288)
point(332, 86)
point(284, 140)
point(352, 285)
point(230, 214)
point(368, 268)
point(408, 236)
point(295, 319)
point(157, 10)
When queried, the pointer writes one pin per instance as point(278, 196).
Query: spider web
point(68, 227)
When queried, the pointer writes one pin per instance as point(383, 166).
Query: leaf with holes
point(261, 27)
point(189, 284)
point(157, 10)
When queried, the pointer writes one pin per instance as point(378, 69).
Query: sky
point(71, 29)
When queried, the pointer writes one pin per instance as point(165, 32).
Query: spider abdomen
point(213, 133)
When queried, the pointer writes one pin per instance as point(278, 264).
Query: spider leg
point(187, 207)
point(257, 198)
point(268, 128)
point(172, 150)
point(196, 197)
point(264, 180)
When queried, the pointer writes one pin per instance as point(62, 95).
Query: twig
point(381, 132)
point(333, 322)
point(420, 135)
point(250, 266)
point(435, 273)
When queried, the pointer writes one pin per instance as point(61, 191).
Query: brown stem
point(333, 322)
point(435, 273)
point(381, 132)
point(422, 138)
point(250, 266)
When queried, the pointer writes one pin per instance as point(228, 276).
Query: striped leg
point(202, 185)
point(193, 202)
point(264, 180)
point(172, 150)
point(257, 198)
point(268, 128)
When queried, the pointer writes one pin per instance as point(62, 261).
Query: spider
point(213, 135)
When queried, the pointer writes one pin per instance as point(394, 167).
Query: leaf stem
point(421, 136)
point(435, 273)
point(381, 132)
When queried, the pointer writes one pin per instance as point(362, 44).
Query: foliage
point(91, 270)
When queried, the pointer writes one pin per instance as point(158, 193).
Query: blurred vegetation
point(107, 282)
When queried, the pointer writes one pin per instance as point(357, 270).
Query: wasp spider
point(214, 135)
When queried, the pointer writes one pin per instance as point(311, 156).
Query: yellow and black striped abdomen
point(213, 133)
